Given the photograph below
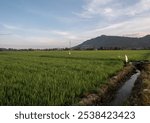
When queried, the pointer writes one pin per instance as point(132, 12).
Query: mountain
point(115, 42)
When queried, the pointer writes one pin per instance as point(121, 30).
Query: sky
point(55, 23)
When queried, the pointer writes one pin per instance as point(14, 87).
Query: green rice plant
point(55, 77)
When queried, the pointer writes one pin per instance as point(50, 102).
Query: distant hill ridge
point(115, 42)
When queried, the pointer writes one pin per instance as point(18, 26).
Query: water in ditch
point(124, 92)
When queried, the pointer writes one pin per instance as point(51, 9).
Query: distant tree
point(3, 49)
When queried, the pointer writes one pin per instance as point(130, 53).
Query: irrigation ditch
point(131, 86)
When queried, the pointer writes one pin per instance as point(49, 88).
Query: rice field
point(55, 77)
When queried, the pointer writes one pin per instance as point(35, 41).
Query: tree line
point(66, 49)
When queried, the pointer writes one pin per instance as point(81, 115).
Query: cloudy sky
point(53, 23)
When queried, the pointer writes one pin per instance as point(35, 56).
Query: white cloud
point(138, 26)
point(14, 28)
point(35, 37)
point(42, 32)
point(94, 7)
point(67, 35)
point(62, 33)
point(18, 41)
point(58, 38)
point(11, 27)
point(120, 18)
point(112, 8)
point(129, 20)
point(137, 34)
point(138, 8)
point(108, 10)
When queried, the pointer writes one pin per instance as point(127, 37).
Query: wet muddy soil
point(140, 95)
